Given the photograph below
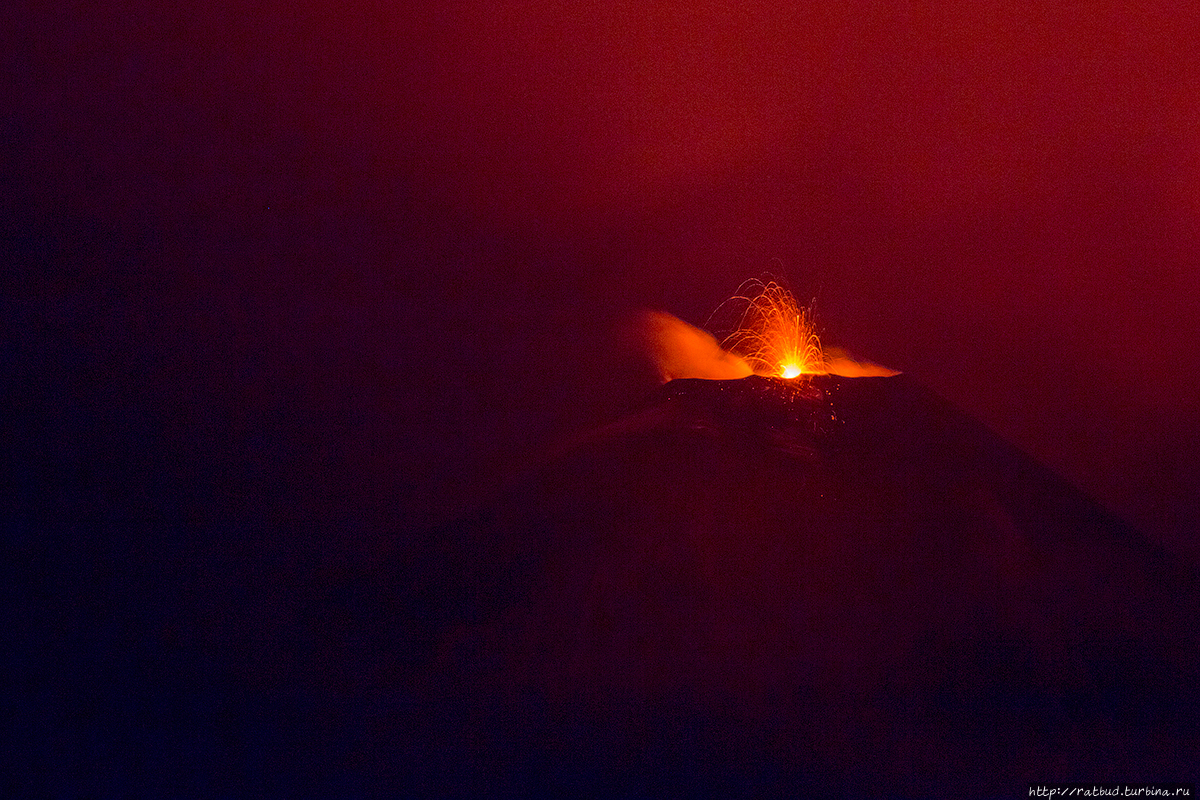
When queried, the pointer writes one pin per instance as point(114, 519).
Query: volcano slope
point(833, 585)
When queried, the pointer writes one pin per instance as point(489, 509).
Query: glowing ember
point(774, 334)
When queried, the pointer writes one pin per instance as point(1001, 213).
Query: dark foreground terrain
point(833, 586)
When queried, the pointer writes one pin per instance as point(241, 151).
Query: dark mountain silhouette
point(841, 585)
point(832, 586)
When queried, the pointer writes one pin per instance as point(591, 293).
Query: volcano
point(834, 586)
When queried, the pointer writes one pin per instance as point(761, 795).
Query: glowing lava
point(774, 334)
point(772, 337)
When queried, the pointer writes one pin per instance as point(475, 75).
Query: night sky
point(307, 278)
point(392, 243)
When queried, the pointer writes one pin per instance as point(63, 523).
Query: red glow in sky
point(1002, 199)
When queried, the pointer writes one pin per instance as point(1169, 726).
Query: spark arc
point(774, 334)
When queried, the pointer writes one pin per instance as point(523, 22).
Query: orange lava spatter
point(775, 334)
